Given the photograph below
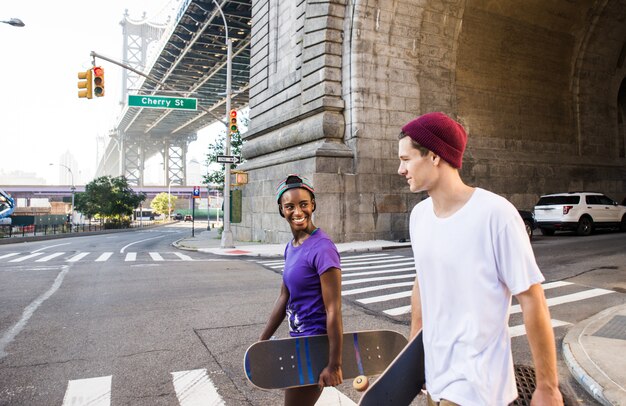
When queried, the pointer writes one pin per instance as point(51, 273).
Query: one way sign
point(228, 159)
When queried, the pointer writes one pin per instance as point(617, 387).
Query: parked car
point(529, 221)
point(578, 211)
point(188, 218)
point(178, 216)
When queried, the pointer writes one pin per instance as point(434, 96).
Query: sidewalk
point(594, 349)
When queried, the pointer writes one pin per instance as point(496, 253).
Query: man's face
point(418, 170)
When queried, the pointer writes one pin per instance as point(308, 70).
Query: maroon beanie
point(440, 134)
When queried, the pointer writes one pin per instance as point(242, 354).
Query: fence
point(33, 230)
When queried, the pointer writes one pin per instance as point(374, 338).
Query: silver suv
point(579, 211)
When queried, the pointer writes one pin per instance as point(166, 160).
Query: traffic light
point(85, 89)
point(98, 81)
point(233, 122)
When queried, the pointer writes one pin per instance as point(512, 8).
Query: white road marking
point(9, 255)
point(377, 287)
point(24, 258)
point(137, 242)
point(105, 256)
point(88, 392)
point(332, 397)
point(49, 257)
point(380, 278)
point(194, 388)
point(78, 257)
point(574, 297)
point(183, 256)
point(131, 256)
point(385, 260)
point(384, 298)
point(10, 334)
point(520, 330)
point(348, 275)
point(156, 256)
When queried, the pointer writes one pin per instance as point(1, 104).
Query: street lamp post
point(73, 188)
point(15, 22)
point(227, 235)
point(169, 201)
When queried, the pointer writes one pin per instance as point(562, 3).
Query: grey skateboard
point(403, 379)
point(293, 362)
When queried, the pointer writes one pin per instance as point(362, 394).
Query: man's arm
point(542, 346)
point(416, 310)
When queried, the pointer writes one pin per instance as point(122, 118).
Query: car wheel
point(585, 225)
point(547, 231)
point(529, 228)
point(622, 225)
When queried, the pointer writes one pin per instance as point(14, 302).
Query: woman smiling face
point(297, 206)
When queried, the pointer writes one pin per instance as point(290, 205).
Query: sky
point(41, 116)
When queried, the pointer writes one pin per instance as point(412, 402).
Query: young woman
point(310, 294)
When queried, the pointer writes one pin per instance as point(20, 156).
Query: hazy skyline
point(42, 117)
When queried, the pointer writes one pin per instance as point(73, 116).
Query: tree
point(108, 197)
point(216, 177)
point(162, 201)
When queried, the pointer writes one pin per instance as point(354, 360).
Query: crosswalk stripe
point(385, 298)
point(9, 255)
point(130, 256)
point(49, 257)
point(574, 297)
point(156, 256)
point(194, 388)
point(24, 258)
point(377, 279)
point(397, 311)
point(349, 275)
point(78, 257)
point(183, 256)
point(377, 287)
point(520, 330)
point(91, 391)
point(371, 256)
point(332, 397)
point(385, 260)
point(104, 256)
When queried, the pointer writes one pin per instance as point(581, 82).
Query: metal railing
point(33, 230)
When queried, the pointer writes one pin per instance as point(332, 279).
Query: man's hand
point(548, 397)
point(330, 376)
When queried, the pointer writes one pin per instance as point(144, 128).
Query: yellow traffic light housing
point(232, 123)
point(85, 89)
point(98, 81)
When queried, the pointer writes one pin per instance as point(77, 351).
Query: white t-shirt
point(468, 266)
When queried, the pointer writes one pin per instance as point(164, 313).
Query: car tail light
point(566, 209)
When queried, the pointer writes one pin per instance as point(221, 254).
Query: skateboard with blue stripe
point(298, 361)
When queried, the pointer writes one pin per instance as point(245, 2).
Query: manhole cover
point(525, 379)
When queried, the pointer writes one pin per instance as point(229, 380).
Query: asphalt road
point(128, 317)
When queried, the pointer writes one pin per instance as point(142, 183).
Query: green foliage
point(108, 197)
point(161, 202)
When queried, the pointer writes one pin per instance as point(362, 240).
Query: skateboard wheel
point(360, 383)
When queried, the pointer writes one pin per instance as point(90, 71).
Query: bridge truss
point(192, 60)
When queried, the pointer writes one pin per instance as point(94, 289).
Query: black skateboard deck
point(403, 379)
point(292, 362)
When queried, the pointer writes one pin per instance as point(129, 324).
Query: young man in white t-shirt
point(472, 254)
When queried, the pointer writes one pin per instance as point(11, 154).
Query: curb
point(586, 381)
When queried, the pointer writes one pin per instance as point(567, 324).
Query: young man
point(471, 255)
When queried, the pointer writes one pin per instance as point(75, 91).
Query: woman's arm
point(278, 313)
point(331, 293)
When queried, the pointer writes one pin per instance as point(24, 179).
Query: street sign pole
point(227, 235)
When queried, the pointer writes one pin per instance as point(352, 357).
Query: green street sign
point(162, 102)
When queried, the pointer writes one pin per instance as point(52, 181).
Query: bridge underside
point(539, 86)
point(191, 60)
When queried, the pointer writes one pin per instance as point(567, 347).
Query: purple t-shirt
point(303, 266)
